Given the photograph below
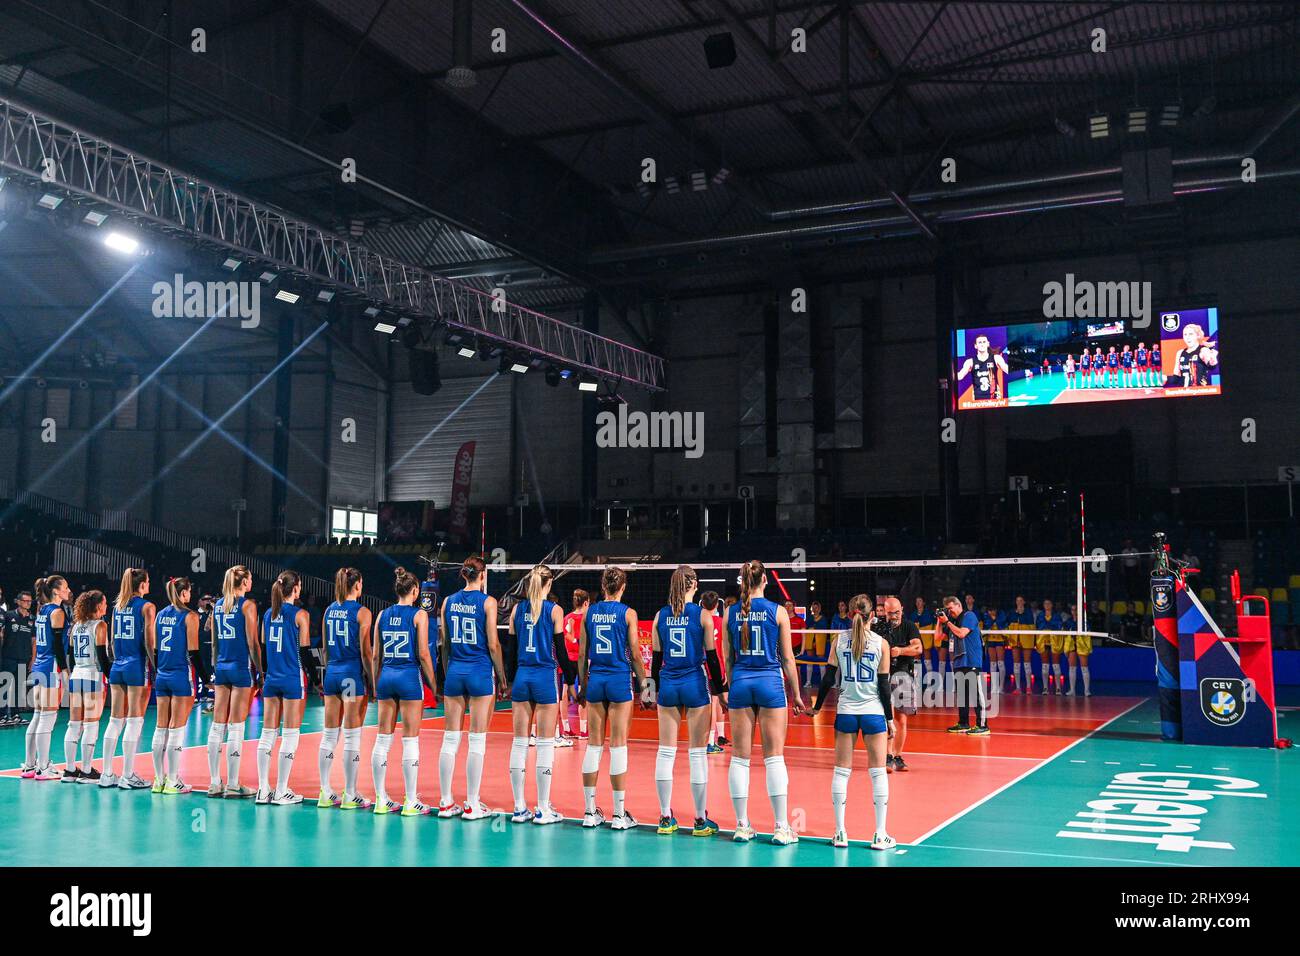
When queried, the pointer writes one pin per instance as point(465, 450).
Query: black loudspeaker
point(720, 50)
point(425, 376)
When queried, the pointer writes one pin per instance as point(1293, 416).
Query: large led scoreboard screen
point(1072, 361)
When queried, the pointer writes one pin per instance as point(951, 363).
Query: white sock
point(131, 743)
point(29, 740)
point(474, 767)
point(720, 728)
point(591, 764)
point(698, 758)
point(379, 765)
point(411, 768)
point(518, 766)
point(89, 736)
point(840, 793)
point(582, 721)
point(1056, 671)
point(713, 734)
point(880, 797)
point(545, 760)
point(1045, 681)
point(234, 753)
point(1071, 672)
point(71, 737)
point(664, 760)
point(175, 749)
point(111, 735)
point(329, 740)
point(284, 760)
point(265, 744)
point(738, 785)
point(45, 719)
point(618, 767)
point(447, 765)
point(778, 785)
point(216, 735)
point(564, 719)
point(351, 759)
point(158, 750)
point(1087, 680)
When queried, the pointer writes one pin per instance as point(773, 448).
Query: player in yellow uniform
point(991, 619)
point(1021, 618)
point(923, 618)
point(1078, 648)
point(1050, 642)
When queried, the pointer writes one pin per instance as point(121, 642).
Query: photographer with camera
point(967, 655)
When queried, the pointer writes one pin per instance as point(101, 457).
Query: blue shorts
point(534, 685)
point(288, 687)
point(42, 675)
point(466, 680)
point(867, 724)
point(605, 687)
point(129, 673)
point(683, 690)
point(85, 685)
point(344, 679)
point(762, 689)
point(399, 683)
point(173, 684)
point(232, 674)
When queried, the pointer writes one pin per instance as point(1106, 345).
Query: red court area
point(950, 772)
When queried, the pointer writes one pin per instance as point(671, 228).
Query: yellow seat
point(1208, 596)
point(1119, 608)
point(1260, 592)
point(1140, 607)
point(1293, 581)
point(1279, 596)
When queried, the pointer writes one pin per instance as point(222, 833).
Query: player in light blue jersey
point(176, 650)
point(608, 654)
point(88, 645)
point(402, 637)
point(683, 651)
point(286, 630)
point(237, 657)
point(471, 656)
point(128, 682)
point(759, 658)
point(349, 661)
point(49, 659)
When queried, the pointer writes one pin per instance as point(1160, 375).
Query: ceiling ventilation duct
point(461, 75)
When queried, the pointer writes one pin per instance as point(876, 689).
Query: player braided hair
point(682, 583)
point(860, 608)
point(751, 578)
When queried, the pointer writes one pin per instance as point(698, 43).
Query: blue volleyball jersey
point(1085, 361)
point(128, 631)
point(1141, 356)
point(681, 640)
point(1045, 623)
point(281, 636)
point(342, 632)
point(232, 632)
point(1025, 617)
point(45, 634)
point(1113, 360)
point(764, 637)
point(1099, 361)
point(1155, 358)
point(399, 637)
point(606, 626)
point(536, 639)
point(467, 627)
point(173, 642)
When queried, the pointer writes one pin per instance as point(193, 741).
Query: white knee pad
point(664, 760)
point(478, 744)
point(289, 742)
point(778, 778)
point(617, 761)
point(591, 759)
point(451, 742)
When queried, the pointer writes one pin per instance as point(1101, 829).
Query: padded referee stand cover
point(1164, 616)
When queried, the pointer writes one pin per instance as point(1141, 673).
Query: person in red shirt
point(572, 625)
point(710, 601)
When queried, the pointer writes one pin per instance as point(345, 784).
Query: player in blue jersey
point(238, 657)
point(286, 631)
point(176, 630)
point(759, 656)
point(1085, 369)
point(349, 661)
point(88, 651)
point(1099, 367)
point(683, 650)
point(49, 659)
point(471, 655)
point(402, 638)
point(1126, 366)
point(608, 654)
point(1142, 362)
point(1157, 366)
point(1112, 365)
point(537, 625)
point(128, 682)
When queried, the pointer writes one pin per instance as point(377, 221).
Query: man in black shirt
point(16, 659)
point(905, 652)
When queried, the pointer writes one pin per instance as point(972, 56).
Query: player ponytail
point(613, 581)
point(345, 579)
point(282, 589)
point(132, 578)
point(404, 582)
point(472, 569)
point(751, 578)
point(175, 588)
point(580, 598)
point(682, 583)
point(88, 602)
point(860, 609)
point(538, 580)
point(235, 578)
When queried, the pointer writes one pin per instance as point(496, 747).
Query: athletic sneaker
point(107, 779)
point(723, 741)
point(355, 802)
point(978, 732)
point(889, 763)
point(959, 729)
point(715, 749)
point(263, 797)
point(883, 841)
point(563, 742)
point(133, 782)
point(1046, 691)
point(667, 824)
point(28, 773)
point(704, 827)
point(900, 765)
point(89, 776)
point(481, 812)
point(1087, 693)
point(328, 800)
point(158, 783)
point(72, 776)
point(523, 815)
point(417, 809)
point(744, 834)
point(593, 818)
point(385, 807)
point(449, 810)
point(240, 792)
point(784, 836)
point(286, 798)
point(215, 789)
point(841, 839)
point(48, 773)
point(1069, 693)
point(548, 816)
point(623, 821)
point(582, 734)
point(532, 740)
point(173, 787)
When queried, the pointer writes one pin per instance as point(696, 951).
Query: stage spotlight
point(50, 201)
point(518, 368)
point(721, 175)
point(93, 218)
point(699, 180)
point(230, 264)
point(586, 385)
point(325, 295)
point(1137, 119)
point(284, 295)
point(672, 184)
point(1171, 114)
point(268, 276)
point(383, 323)
point(1099, 126)
point(719, 50)
point(120, 242)
point(552, 376)
point(466, 352)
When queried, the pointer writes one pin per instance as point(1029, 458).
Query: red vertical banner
point(461, 473)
